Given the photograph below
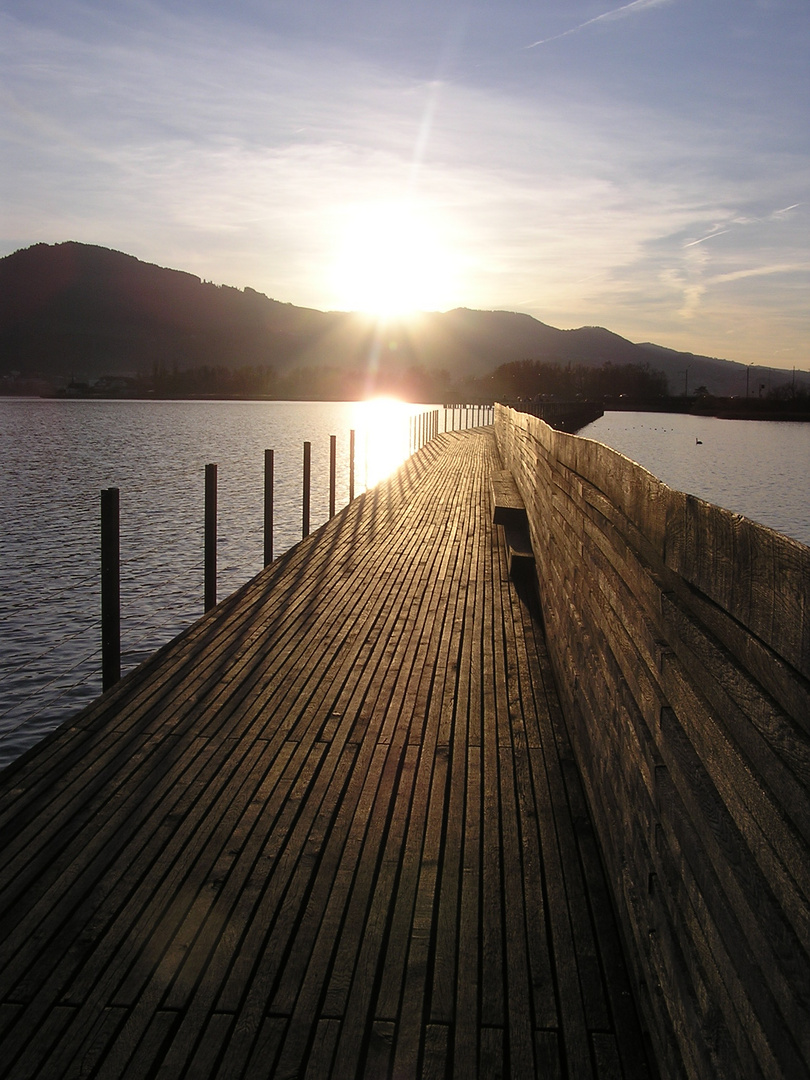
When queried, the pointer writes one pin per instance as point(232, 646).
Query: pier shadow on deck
point(334, 829)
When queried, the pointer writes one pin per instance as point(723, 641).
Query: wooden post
point(110, 589)
point(269, 471)
point(210, 544)
point(305, 500)
point(332, 473)
point(351, 465)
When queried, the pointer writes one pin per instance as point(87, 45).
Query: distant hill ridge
point(74, 309)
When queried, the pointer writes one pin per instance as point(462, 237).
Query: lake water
point(760, 469)
point(57, 456)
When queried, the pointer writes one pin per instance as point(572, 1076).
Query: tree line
point(529, 380)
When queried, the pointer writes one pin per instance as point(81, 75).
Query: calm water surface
point(58, 455)
point(760, 469)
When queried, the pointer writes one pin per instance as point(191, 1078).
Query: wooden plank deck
point(332, 830)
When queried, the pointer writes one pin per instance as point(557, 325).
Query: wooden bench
point(509, 510)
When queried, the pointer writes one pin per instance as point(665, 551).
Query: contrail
point(742, 221)
point(709, 236)
point(616, 13)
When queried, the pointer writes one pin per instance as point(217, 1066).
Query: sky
point(641, 166)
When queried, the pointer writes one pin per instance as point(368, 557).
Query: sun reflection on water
point(383, 438)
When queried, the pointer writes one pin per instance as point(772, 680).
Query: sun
point(392, 261)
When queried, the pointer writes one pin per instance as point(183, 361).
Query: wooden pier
point(334, 829)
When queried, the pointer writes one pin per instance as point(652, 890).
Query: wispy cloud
point(616, 13)
point(695, 291)
point(761, 271)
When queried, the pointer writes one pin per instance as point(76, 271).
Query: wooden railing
point(680, 636)
point(563, 415)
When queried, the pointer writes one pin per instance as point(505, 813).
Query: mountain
point(79, 311)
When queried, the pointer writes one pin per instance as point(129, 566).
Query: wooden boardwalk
point(332, 830)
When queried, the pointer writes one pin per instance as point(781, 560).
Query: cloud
point(760, 271)
point(617, 13)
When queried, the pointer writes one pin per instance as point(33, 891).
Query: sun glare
point(392, 261)
point(384, 433)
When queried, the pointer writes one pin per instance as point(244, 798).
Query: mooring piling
point(210, 542)
point(269, 470)
point(332, 473)
point(305, 498)
point(110, 588)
